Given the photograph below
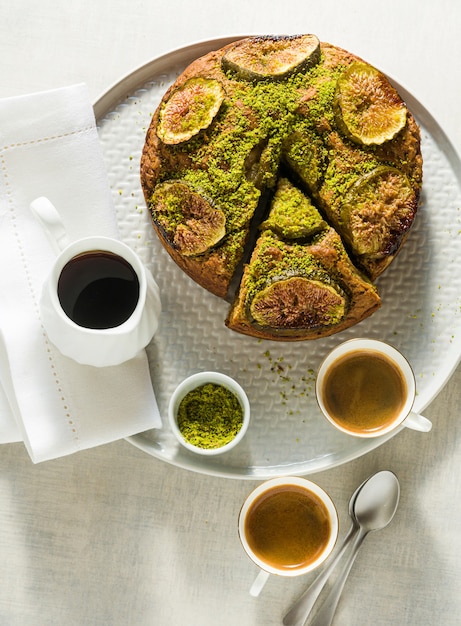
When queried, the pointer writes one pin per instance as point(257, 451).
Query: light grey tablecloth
point(111, 536)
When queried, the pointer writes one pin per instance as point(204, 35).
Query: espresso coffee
point(287, 527)
point(98, 289)
point(364, 391)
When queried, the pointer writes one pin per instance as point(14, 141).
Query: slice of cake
point(299, 282)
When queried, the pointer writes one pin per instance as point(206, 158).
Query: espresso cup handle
point(259, 582)
point(51, 221)
point(418, 422)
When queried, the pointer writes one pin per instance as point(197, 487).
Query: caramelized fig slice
point(187, 219)
point(296, 303)
point(377, 211)
point(261, 164)
point(272, 57)
point(189, 109)
point(367, 108)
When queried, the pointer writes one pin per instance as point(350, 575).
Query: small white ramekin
point(197, 380)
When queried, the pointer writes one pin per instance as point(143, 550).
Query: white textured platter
point(421, 293)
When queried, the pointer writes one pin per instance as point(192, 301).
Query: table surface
point(113, 536)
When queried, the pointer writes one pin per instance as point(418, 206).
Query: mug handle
point(51, 221)
point(417, 422)
point(258, 583)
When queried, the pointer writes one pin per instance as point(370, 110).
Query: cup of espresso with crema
point(288, 527)
point(99, 305)
point(366, 388)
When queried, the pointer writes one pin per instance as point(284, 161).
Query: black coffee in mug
point(98, 289)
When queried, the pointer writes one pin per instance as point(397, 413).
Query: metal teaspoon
point(374, 508)
point(301, 609)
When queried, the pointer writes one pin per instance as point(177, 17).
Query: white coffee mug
point(98, 346)
point(357, 402)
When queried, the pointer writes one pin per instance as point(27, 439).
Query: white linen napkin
point(49, 147)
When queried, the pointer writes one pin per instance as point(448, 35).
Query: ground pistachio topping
point(293, 215)
point(210, 416)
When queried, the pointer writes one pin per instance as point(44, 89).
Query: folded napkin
point(49, 147)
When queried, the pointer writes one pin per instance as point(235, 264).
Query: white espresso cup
point(366, 388)
point(288, 527)
point(99, 305)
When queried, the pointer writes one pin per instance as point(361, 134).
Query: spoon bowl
point(376, 503)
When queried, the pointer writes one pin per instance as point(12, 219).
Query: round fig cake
point(283, 174)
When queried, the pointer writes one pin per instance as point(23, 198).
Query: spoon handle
point(298, 614)
point(325, 615)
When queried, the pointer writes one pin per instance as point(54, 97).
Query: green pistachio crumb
point(210, 416)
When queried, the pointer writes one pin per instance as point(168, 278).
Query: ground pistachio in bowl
point(209, 413)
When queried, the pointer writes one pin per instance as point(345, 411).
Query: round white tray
point(421, 293)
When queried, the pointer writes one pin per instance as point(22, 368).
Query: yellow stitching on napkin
point(71, 422)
